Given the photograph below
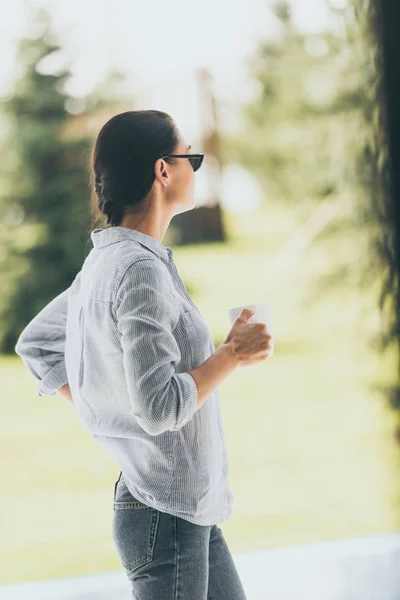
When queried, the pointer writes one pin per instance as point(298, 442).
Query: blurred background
point(295, 205)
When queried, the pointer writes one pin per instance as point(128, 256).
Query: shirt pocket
point(193, 337)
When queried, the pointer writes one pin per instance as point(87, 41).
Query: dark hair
point(123, 157)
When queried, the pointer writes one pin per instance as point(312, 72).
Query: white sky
point(159, 44)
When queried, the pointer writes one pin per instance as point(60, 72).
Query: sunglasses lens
point(196, 161)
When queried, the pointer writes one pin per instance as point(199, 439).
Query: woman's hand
point(66, 393)
point(251, 342)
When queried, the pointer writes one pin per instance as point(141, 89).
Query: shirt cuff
point(191, 395)
point(55, 378)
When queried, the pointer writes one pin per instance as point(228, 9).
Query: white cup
point(262, 315)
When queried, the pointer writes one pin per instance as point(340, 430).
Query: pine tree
point(45, 198)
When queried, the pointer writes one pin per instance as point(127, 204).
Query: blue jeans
point(168, 558)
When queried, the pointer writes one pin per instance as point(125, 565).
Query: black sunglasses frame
point(196, 162)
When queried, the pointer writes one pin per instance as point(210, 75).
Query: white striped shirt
point(124, 335)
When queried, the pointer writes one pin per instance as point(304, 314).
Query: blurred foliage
point(380, 206)
point(315, 132)
point(296, 130)
point(43, 194)
point(44, 179)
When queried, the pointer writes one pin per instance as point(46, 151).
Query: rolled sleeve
point(146, 314)
point(55, 378)
point(41, 345)
point(191, 394)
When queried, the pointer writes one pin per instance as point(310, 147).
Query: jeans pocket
point(134, 529)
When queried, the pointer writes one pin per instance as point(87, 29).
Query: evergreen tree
point(45, 198)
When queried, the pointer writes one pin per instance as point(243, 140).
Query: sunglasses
point(195, 160)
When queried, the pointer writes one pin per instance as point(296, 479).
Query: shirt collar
point(115, 233)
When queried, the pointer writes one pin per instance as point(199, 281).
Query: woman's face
point(179, 177)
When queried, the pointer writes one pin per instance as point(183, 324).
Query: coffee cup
point(262, 314)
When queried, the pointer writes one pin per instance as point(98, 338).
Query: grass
point(310, 441)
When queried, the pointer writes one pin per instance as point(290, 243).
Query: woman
point(143, 370)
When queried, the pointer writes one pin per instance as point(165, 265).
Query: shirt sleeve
point(162, 400)
point(41, 345)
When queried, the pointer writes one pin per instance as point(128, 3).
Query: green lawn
point(311, 445)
